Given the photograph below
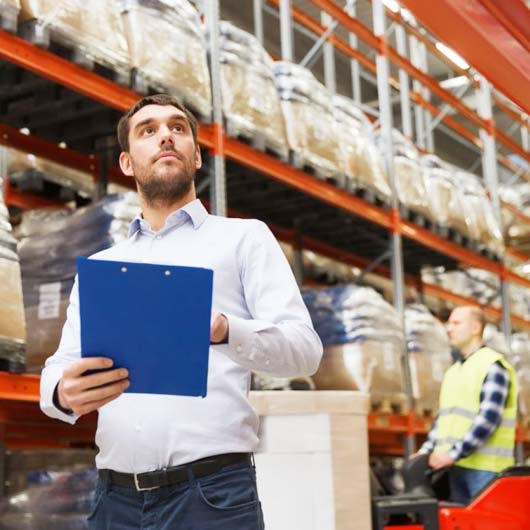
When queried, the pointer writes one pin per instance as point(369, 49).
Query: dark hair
point(157, 99)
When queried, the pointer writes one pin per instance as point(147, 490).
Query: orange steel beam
point(11, 137)
point(311, 186)
point(521, 256)
point(19, 387)
point(448, 248)
point(28, 201)
point(514, 211)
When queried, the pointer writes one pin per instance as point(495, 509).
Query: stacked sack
point(517, 231)
point(12, 325)
point(363, 342)
point(308, 112)
point(9, 14)
point(94, 28)
point(49, 243)
point(520, 359)
point(429, 354)
point(251, 103)
point(167, 49)
point(362, 162)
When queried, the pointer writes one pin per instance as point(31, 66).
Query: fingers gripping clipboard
point(153, 320)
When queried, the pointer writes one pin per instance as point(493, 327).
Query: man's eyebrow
point(147, 121)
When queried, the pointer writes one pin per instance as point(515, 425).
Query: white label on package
point(49, 300)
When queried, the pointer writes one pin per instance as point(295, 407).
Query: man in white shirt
point(169, 462)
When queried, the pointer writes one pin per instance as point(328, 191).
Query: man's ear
point(125, 164)
point(198, 158)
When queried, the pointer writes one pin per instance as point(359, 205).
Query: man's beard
point(163, 189)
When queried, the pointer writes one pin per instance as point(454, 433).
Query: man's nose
point(165, 135)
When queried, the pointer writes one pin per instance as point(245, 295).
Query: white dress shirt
point(269, 331)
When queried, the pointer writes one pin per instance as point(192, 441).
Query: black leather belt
point(173, 475)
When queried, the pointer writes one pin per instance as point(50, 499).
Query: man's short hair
point(156, 99)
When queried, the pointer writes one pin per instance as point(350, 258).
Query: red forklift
point(504, 504)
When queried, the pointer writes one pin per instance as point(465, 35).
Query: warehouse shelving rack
point(257, 179)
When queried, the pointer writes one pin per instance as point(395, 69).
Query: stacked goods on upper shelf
point(362, 162)
point(167, 49)
point(520, 359)
point(516, 230)
point(410, 186)
point(251, 103)
point(363, 342)
point(94, 29)
point(29, 173)
point(49, 242)
point(9, 14)
point(12, 324)
point(311, 129)
point(429, 355)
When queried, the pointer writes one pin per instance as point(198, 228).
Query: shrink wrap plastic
point(429, 354)
point(94, 27)
point(517, 231)
point(9, 10)
point(520, 359)
point(361, 160)
point(363, 341)
point(309, 121)
point(62, 501)
point(250, 100)
point(12, 322)
point(21, 166)
point(50, 242)
point(166, 45)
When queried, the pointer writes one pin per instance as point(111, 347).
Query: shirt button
point(137, 428)
point(158, 237)
point(239, 349)
point(267, 362)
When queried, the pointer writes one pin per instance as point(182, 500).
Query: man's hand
point(218, 328)
point(84, 393)
point(440, 460)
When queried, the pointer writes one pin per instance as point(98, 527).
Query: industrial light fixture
point(452, 55)
point(454, 82)
point(25, 131)
point(392, 5)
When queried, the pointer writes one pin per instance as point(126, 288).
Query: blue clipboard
point(153, 320)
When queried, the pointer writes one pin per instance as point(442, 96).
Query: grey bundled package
point(50, 242)
point(12, 323)
point(8, 14)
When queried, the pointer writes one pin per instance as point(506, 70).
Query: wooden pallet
point(337, 177)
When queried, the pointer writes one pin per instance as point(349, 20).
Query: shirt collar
point(194, 211)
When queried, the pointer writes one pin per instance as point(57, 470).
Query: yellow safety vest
point(459, 404)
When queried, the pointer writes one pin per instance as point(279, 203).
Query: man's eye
point(148, 130)
point(178, 128)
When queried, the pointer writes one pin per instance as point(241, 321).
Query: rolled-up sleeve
point(69, 351)
point(279, 339)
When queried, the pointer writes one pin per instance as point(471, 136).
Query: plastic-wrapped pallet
point(363, 342)
point(429, 355)
point(93, 28)
point(520, 359)
point(24, 168)
point(12, 323)
point(362, 161)
point(176, 62)
point(61, 502)
point(47, 260)
point(250, 100)
point(441, 191)
point(479, 220)
point(9, 10)
point(410, 185)
point(310, 124)
point(518, 196)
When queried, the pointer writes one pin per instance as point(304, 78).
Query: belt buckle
point(137, 484)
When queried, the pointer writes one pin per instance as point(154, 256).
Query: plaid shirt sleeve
point(492, 401)
point(430, 442)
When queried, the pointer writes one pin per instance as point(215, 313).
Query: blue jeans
point(225, 500)
point(465, 483)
